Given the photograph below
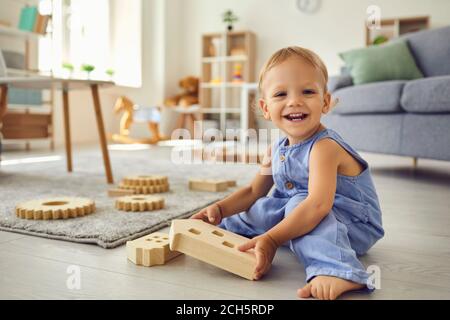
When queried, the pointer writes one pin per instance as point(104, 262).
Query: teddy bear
point(189, 96)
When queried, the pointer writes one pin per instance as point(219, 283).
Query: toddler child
point(324, 204)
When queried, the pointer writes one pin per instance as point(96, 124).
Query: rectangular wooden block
point(208, 185)
point(212, 245)
point(118, 192)
point(231, 183)
point(152, 249)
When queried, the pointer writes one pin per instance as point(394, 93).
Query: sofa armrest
point(340, 81)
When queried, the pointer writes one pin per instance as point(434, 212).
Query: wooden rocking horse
point(134, 113)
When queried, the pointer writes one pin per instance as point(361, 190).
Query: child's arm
point(323, 166)
point(241, 199)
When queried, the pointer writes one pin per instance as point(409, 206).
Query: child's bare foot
point(327, 288)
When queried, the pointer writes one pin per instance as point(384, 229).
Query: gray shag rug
point(108, 227)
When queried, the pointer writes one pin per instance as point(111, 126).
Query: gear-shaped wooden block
point(55, 208)
point(152, 249)
point(139, 203)
point(212, 245)
point(145, 180)
point(119, 192)
point(146, 189)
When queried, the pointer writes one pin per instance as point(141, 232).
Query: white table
point(65, 85)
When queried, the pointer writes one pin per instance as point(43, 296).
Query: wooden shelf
point(207, 85)
point(394, 27)
point(220, 110)
point(226, 57)
point(27, 122)
point(14, 32)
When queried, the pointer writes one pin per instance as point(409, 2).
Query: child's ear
point(264, 108)
point(326, 103)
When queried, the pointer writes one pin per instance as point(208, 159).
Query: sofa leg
point(415, 159)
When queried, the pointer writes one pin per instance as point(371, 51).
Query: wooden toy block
point(212, 245)
point(146, 189)
point(150, 250)
point(231, 183)
point(208, 185)
point(120, 192)
point(139, 203)
point(145, 180)
point(55, 208)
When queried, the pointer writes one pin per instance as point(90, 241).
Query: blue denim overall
point(350, 229)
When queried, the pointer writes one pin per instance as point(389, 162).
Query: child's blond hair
point(298, 52)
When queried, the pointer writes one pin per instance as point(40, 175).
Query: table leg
point(3, 101)
point(68, 142)
point(101, 133)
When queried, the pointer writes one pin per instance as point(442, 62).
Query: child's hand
point(265, 249)
point(210, 214)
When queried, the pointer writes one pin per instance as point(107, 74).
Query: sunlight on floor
point(30, 160)
point(128, 147)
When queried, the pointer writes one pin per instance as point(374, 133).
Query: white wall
point(337, 26)
point(172, 32)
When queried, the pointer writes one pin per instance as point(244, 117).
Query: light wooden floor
point(414, 256)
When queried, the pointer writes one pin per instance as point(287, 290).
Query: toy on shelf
point(237, 72)
point(135, 113)
point(238, 51)
point(210, 184)
point(216, 81)
point(139, 203)
point(212, 245)
point(188, 96)
point(150, 250)
point(55, 208)
point(145, 184)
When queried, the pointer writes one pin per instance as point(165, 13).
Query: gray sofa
point(408, 118)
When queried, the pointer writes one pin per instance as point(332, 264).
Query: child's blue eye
point(308, 91)
point(279, 94)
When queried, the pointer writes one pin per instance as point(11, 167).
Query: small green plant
point(87, 68)
point(68, 66)
point(229, 18)
point(380, 39)
point(109, 72)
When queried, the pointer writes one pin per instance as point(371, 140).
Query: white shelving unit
point(30, 115)
point(224, 57)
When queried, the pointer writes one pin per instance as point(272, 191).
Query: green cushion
point(389, 61)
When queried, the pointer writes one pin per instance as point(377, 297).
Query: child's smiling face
point(294, 98)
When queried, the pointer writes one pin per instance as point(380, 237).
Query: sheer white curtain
point(102, 33)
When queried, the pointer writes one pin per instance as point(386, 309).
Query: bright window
point(87, 32)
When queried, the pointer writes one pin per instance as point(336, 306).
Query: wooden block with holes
point(212, 245)
point(150, 250)
point(208, 185)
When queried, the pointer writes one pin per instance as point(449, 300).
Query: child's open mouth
point(296, 116)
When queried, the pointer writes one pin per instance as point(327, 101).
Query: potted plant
point(88, 68)
point(110, 73)
point(229, 18)
point(69, 68)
